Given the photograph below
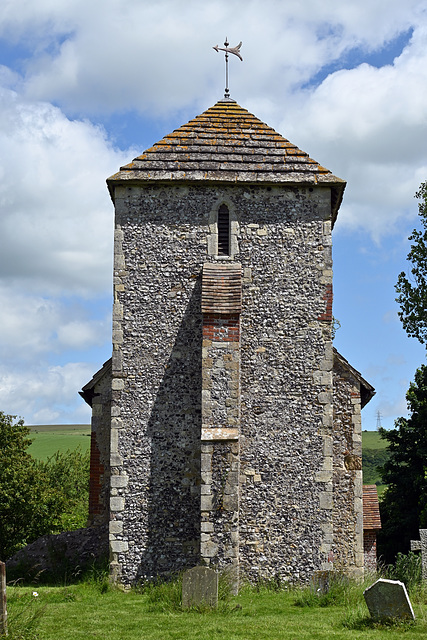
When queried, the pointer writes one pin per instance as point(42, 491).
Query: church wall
point(99, 483)
point(286, 488)
point(163, 236)
point(347, 480)
point(370, 550)
point(160, 245)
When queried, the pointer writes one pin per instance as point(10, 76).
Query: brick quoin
point(328, 298)
point(96, 471)
point(221, 328)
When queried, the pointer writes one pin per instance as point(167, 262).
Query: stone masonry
point(232, 441)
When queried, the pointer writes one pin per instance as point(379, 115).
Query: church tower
point(222, 447)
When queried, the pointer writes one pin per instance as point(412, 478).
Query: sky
point(85, 86)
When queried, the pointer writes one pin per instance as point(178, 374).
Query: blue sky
point(87, 86)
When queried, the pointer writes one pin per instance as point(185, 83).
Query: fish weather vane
point(236, 52)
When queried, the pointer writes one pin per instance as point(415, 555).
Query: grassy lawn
point(89, 611)
point(48, 439)
point(374, 456)
point(373, 440)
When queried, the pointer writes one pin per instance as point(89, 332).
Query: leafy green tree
point(29, 506)
point(412, 291)
point(404, 503)
point(37, 497)
point(68, 473)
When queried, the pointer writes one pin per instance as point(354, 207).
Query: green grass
point(373, 440)
point(48, 439)
point(374, 455)
point(91, 610)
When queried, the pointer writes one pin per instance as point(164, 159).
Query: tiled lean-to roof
point(227, 144)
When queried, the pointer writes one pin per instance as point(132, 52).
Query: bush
point(37, 498)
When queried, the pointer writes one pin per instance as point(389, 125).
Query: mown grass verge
point(92, 609)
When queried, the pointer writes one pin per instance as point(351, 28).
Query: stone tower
point(234, 439)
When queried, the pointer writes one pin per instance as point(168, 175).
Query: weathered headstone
point(320, 581)
point(200, 587)
point(421, 545)
point(388, 599)
point(3, 609)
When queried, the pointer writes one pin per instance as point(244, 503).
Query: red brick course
point(221, 328)
point(328, 298)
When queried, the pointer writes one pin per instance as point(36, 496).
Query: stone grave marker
point(200, 587)
point(320, 581)
point(3, 610)
point(388, 599)
point(421, 545)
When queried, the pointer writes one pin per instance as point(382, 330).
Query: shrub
point(37, 498)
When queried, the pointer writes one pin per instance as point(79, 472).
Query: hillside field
point(50, 438)
point(47, 439)
point(373, 440)
point(374, 455)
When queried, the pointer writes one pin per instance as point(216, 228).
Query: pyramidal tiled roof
point(227, 144)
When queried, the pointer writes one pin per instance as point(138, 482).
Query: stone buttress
point(220, 459)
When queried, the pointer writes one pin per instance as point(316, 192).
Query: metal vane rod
point(233, 50)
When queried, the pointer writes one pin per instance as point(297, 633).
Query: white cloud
point(43, 393)
point(157, 57)
point(33, 326)
point(367, 125)
point(57, 219)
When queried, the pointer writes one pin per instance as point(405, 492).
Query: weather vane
point(236, 52)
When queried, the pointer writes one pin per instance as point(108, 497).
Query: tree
point(412, 293)
point(37, 497)
point(68, 473)
point(404, 504)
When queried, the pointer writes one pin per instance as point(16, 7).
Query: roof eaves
point(367, 391)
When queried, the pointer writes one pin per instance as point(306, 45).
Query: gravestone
point(388, 599)
point(421, 545)
point(3, 610)
point(200, 587)
point(320, 581)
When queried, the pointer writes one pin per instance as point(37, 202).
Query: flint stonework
point(421, 545)
point(233, 414)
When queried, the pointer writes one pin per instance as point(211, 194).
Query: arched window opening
point(223, 231)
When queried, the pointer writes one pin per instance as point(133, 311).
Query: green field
point(50, 438)
point(374, 455)
point(373, 440)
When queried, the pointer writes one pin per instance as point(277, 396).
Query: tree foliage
point(404, 504)
point(37, 497)
point(412, 290)
point(372, 460)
